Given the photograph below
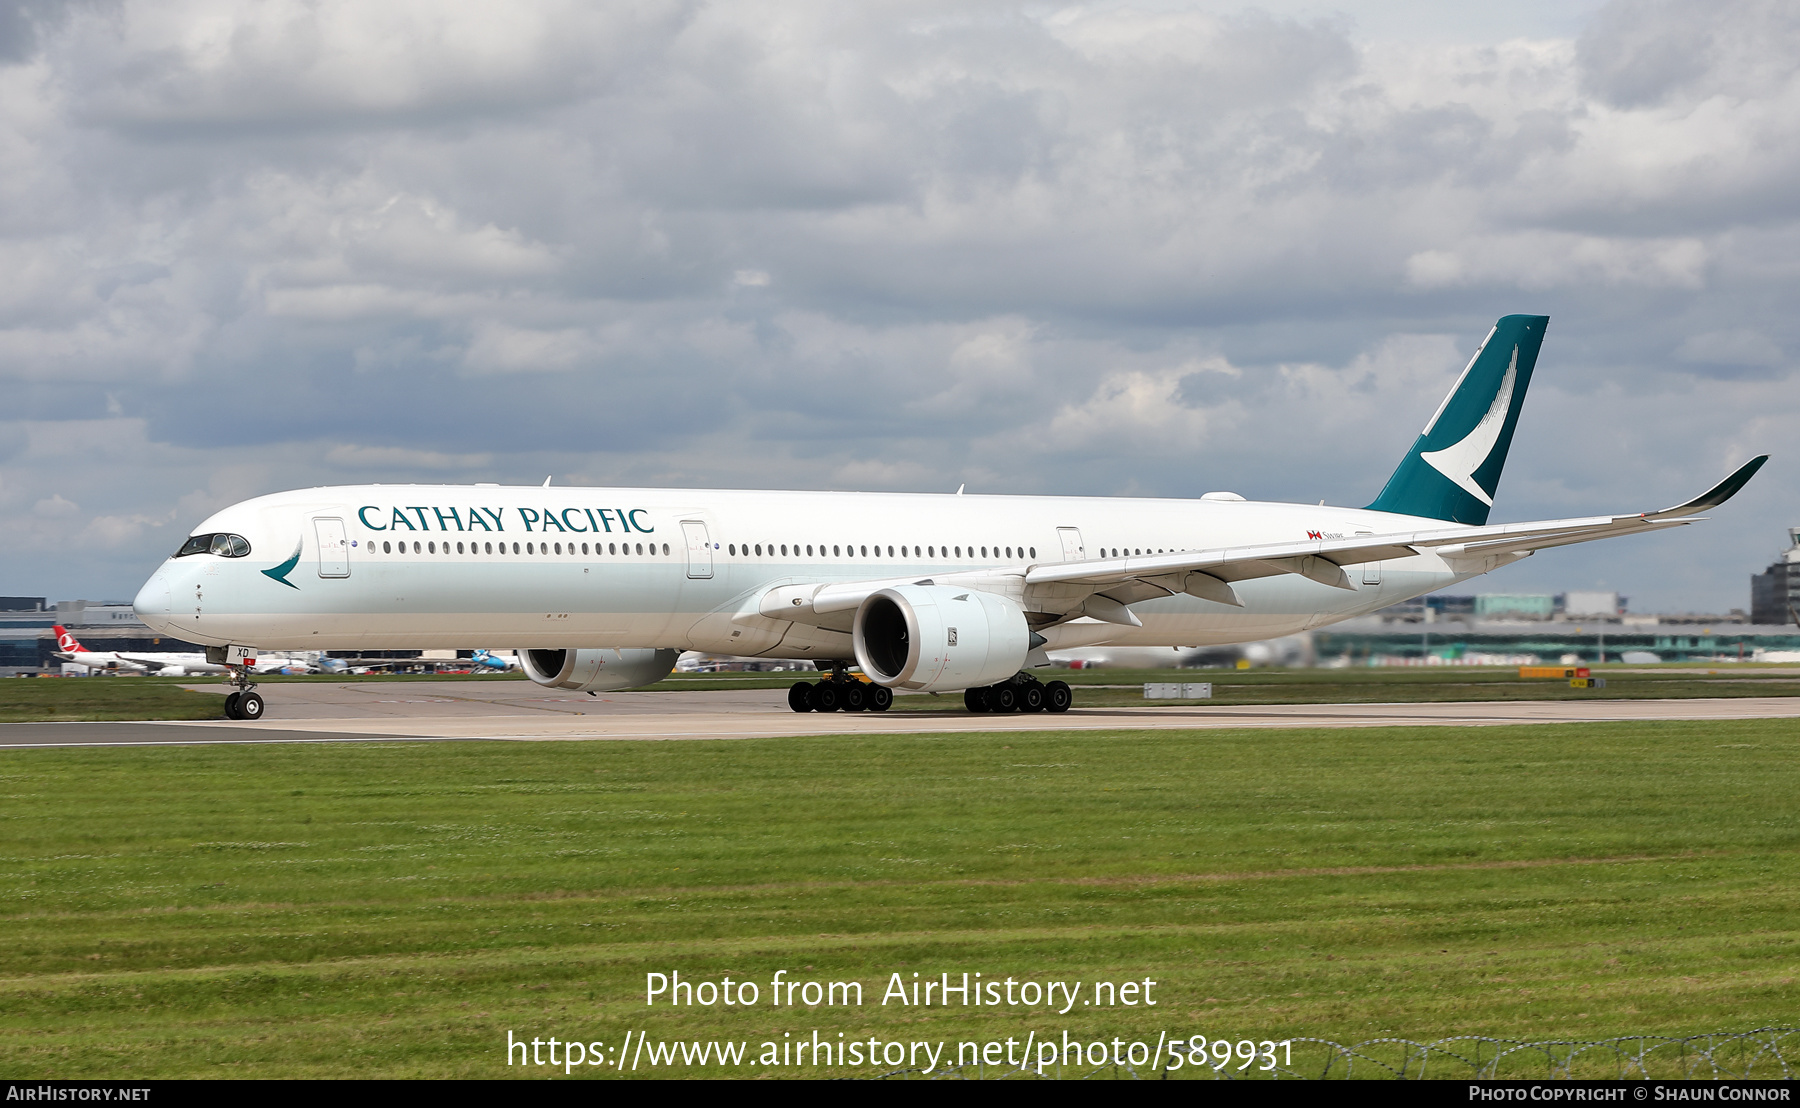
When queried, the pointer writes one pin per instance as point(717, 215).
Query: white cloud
point(1740, 346)
point(55, 506)
point(364, 459)
point(1100, 248)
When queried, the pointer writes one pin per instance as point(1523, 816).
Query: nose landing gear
point(246, 703)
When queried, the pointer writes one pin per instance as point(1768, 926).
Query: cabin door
point(699, 548)
point(334, 549)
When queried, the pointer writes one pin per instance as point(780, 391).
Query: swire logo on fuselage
point(578, 520)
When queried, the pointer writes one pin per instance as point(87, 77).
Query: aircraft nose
point(152, 603)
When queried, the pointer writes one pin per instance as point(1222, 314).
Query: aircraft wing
point(343, 664)
point(1103, 588)
point(148, 662)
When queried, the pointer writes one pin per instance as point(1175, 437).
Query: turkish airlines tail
point(1453, 470)
point(66, 642)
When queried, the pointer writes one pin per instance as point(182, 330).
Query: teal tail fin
point(1453, 470)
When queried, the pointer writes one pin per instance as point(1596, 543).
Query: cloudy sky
point(1102, 249)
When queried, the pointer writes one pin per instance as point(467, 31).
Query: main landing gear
point(840, 693)
point(1020, 693)
point(246, 703)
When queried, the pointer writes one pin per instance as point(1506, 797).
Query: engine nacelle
point(934, 637)
point(597, 670)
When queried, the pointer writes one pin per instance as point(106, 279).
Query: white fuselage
point(184, 663)
point(100, 659)
point(422, 567)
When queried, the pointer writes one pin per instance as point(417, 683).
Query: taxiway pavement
point(465, 710)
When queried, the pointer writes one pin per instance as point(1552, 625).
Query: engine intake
point(935, 637)
point(597, 670)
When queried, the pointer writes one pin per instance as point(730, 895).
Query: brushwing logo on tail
point(280, 572)
point(1460, 460)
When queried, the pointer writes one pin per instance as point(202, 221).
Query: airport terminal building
point(28, 638)
point(28, 635)
point(1775, 592)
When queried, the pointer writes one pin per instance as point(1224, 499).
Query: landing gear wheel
point(1003, 698)
point(823, 697)
point(856, 696)
point(881, 698)
point(231, 705)
point(1058, 697)
point(1031, 697)
point(250, 707)
point(975, 700)
point(799, 697)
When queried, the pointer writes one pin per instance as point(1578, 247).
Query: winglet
point(1716, 495)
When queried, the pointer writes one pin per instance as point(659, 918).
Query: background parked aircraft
point(172, 663)
point(69, 649)
point(488, 660)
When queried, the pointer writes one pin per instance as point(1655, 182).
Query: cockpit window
point(222, 545)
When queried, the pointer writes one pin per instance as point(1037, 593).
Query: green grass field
point(1106, 688)
point(102, 698)
point(394, 910)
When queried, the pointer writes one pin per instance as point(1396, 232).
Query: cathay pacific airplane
point(601, 589)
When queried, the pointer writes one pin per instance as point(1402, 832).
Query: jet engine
point(935, 637)
point(597, 670)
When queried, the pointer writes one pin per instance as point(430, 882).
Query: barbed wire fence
point(1724, 1055)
